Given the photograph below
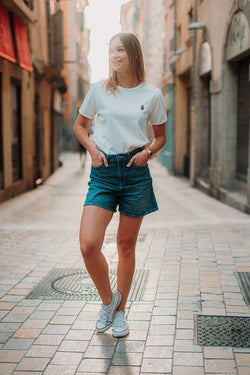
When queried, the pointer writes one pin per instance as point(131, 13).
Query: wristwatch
point(149, 152)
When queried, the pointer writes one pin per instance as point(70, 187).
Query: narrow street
point(188, 254)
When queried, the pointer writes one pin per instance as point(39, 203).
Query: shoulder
point(151, 89)
point(97, 85)
point(153, 92)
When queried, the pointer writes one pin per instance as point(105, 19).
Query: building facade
point(16, 73)
point(31, 83)
point(205, 82)
point(76, 67)
point(38, 95)
point(212, 134)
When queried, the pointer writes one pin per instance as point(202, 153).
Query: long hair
point(133, 48)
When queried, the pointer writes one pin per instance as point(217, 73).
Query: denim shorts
point(128, 188)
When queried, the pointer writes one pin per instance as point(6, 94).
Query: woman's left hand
point(140, 159)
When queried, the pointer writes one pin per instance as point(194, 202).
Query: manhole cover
point(75, 284)
point(244, 282)
point(222, 330)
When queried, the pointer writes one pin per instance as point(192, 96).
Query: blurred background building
point(198, 53)
point(76, 67)
point(44, 74)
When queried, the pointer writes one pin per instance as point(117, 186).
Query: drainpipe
point(170, 154)
point(193, 106)
point(174, 85)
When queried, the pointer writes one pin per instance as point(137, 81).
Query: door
point(243, 120)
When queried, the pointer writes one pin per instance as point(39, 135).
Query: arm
point(159, 141)
point(81, 133)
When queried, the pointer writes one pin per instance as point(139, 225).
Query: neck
point(127, 81)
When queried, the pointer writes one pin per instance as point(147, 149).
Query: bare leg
point(92, 231)
point(126, 241)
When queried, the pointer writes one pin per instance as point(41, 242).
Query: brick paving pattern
point(192, 248)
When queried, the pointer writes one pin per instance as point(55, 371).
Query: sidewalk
point(187, 257)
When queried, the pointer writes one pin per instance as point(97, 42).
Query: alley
point(188, 254)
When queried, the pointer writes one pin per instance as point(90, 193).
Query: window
point(16, 141)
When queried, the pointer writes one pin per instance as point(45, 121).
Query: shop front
point(15, 111)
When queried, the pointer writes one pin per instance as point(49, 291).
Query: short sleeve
point(158, 114)
point(88, 107)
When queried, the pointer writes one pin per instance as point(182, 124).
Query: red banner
point(22, 43)
point(6, 43)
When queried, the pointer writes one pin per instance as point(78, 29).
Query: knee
point(88, 249)
point(125, 247)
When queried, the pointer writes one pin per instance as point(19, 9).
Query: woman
point(119, 175)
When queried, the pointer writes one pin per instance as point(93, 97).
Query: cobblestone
point(192, 248)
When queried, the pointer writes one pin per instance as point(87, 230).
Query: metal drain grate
point(222, 330)
point(244, 282)
point(75, 284)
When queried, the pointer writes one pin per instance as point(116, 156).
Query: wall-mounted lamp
point(179, 51)
point(174, 59)
point(196, 26)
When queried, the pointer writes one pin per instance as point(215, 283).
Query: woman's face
point(118, 56)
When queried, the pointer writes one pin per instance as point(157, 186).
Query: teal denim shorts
point(128, 188)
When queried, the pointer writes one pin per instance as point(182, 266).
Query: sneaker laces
point(104, 313)
point(119, 319)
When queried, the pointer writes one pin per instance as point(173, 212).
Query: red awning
point(22, 43)
point(6, 43)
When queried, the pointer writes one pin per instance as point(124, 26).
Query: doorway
point(242, 120)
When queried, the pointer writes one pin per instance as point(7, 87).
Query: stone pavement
point(191, 250)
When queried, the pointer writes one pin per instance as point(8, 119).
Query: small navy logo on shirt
point(142, 107)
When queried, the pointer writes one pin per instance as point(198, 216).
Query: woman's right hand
point(99, 158)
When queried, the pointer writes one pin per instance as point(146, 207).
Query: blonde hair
point(133, 48)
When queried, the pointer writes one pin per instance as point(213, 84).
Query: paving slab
point(191, 248)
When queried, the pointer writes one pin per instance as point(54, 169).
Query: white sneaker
point(107, 313)
point(120, 325)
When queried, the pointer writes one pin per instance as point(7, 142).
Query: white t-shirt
point(122, 119)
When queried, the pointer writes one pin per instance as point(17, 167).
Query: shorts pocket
point(139, 166)
point(99, 167)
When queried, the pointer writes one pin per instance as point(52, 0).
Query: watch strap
point(149, 152)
